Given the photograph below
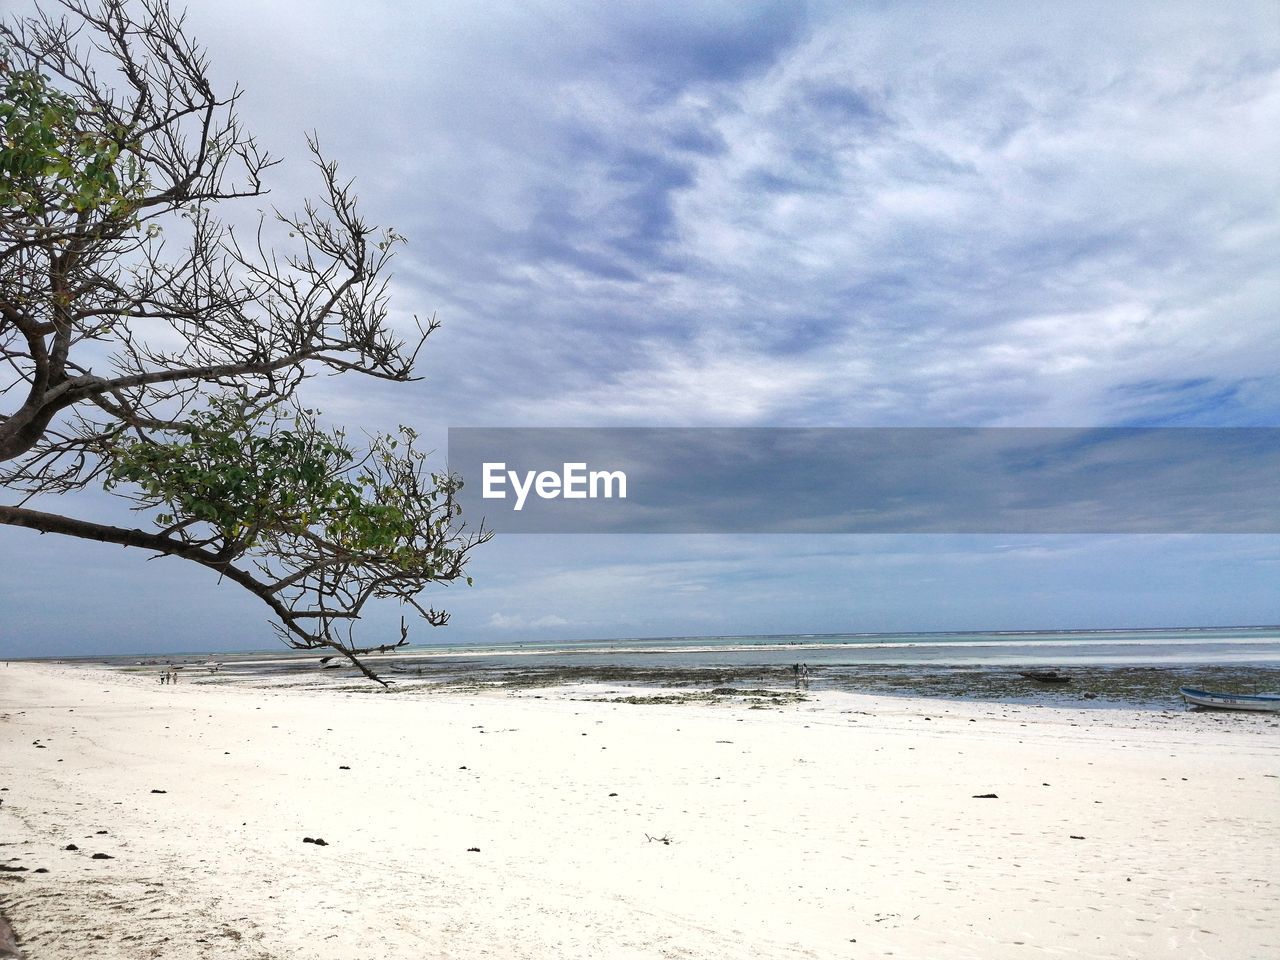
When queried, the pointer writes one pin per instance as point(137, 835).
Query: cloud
point(777, 213)
point(682, 585)
point(502, 621)
point(789, 213)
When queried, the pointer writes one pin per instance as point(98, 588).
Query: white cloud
point(888, 214)
point(904, 215)
point(502, 621)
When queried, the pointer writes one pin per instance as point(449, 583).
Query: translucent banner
point(870, 480)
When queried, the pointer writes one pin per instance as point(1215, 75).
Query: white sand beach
point(843, 826)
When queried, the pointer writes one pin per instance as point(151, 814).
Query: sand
point(843, 826)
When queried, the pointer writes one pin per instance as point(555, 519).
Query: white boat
point(1231, 701)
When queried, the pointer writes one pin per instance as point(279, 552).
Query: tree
point(148, 348)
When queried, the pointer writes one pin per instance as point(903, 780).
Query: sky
point(770, 214)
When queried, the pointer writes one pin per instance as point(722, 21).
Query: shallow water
point(1106, 668)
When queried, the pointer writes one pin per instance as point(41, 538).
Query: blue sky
point(774, 214)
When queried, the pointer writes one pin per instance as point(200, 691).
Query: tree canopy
point(149, 348)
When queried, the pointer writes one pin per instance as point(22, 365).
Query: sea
point(1220, 645)
point(1141, 667)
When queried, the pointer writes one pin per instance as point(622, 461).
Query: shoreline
point(945, 639)
point(1091, 685)
point(842, 825)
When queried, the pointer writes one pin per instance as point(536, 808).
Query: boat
point(1231, 701)
point(1044, 676)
